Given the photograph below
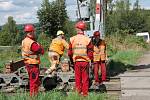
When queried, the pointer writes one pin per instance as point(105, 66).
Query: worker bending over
point(56, 50)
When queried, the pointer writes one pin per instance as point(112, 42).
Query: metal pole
point(79, 10)
point(103, 19)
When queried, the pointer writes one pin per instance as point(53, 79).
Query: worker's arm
point(66, 45)
point(70, 52)
point(90, 50)
point(38, 49)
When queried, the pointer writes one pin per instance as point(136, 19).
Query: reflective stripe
point(77, 54)
point(79, 48)
point(102, 51)
point(31, 56)
point(96, 54)
point(54, 51)
point(27, 52)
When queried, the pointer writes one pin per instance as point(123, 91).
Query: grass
point(127, 57)
point(124, 51)
point(122, 61)
point(53, 95)
point(44, 60)
point(14, 54)
point(9, 54)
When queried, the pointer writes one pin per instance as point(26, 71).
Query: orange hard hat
point(81, 25)
point(29, 28)
point(96, 33)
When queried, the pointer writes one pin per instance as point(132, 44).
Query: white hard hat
point(60, 32)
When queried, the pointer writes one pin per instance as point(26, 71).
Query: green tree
point(9, 30)
point(52, 16)
point(5, 38)
point(123, 18)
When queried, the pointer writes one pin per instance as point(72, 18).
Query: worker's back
point(79, 46)
point(58, 45)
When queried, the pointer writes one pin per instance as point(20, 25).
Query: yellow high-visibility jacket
point(58, 45)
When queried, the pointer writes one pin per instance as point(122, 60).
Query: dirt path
point(135, 84)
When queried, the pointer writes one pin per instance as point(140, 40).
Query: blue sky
point(143, 3)
point(24, 11)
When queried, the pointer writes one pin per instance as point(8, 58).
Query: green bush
point(122, 42)
point(123, 50)
point(44, 40)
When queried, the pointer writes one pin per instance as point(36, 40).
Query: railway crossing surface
point(135, 84)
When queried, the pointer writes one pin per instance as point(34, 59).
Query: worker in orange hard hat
point(99, 58)
point(81, 53)
point(56, 50)
point(31, 51)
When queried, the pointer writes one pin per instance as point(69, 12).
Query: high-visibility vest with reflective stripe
point(58, 45)
point(96, 54)
point(79, 47)
point(28, 56)
point(100, 52)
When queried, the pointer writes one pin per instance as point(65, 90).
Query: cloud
point(23, 11)
point(27, 3)
point(146, 7)
point(7, 6)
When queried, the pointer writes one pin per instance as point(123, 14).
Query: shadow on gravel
point(115, 68)
point(136, 67)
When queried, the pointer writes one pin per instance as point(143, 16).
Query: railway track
point(113, 86)
point(135, 85)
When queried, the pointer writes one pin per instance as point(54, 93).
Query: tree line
point(120, 17)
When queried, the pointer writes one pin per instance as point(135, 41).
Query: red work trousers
point(82, 77)
point(33, 72)
point(99, 66)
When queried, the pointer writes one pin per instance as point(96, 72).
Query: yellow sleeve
point(66, 45)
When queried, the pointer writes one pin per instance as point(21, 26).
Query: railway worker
point(99, 60)
point(81, 53)
point(56, 50)
point(31, 51)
